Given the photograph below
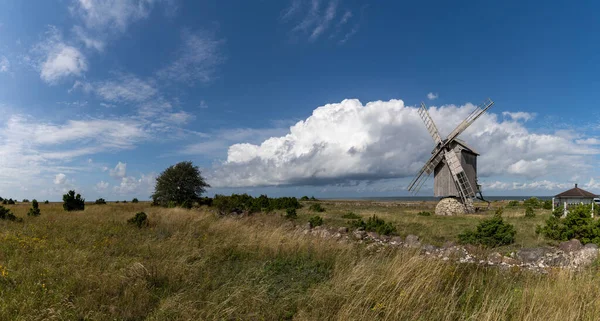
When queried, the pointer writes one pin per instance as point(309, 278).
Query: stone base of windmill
point(449, 206)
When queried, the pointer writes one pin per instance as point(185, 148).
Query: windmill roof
point(576, 193)
point(466, 146)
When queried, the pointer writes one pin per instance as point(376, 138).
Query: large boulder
point(570, 246)
point(449, 206)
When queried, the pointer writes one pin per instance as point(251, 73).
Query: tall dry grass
point(191, 265)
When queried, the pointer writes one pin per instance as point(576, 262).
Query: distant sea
point(430, 198)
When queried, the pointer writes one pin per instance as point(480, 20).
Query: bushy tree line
point(246, 203)
point(578, 224)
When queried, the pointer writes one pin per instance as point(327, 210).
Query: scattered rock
point(509, 260)
point(449, 206)
point(373, 235)
point(358, 234)
point(343, 230)
point(531, 255)
point(396, 240)
point(495, 258)
point(288, 225)
point(584, 257)
point(449, 244)
point(412, 241)
point(307, 226)
point(570, 246)
point(428, 248)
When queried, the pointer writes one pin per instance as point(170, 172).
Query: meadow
point(195, 265)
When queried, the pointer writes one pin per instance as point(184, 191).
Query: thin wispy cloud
point(196, 60)
point(432, 96)
point(316, 18)
point(4, 64)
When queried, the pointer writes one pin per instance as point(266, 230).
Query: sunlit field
point(194, 265)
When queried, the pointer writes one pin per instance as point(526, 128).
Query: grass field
point(192, 265)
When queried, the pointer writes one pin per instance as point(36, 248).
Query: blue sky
point(294, 97)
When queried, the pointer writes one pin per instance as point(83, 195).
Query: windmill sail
point(431, 128)
point(480, 110)
point(465, 190)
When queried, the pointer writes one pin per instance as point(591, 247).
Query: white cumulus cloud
point(119, 171)
point(520, 115)
point(349, 141)
point(60, 179)
point(56, 59)
point(432, 96)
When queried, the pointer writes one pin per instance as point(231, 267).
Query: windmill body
point(452, 161)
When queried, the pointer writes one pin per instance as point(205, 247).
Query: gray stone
point(343, 230)
point(307, 226)
point(449, 206)
point(428, 248)
point(373, 235)
point(359, 234)
point(495, 258)
point(509, 260)
point(591, 246)
point(396, 240)
point(584, 257)
point(570, 246)
point(449, 244)
point(412, 241)
point(531, 255)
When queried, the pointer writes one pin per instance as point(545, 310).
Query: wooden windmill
point(453, 162)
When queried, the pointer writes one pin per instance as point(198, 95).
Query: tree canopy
point(179, 185)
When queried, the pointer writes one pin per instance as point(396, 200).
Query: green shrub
point(532, 202)
point(529, 212)
point(6, 214)
point(46, 202)
point(100, 201)
point(578, 224)
point(513, 203)
point(375, 224)
point(140, 220)
point(245, 202)
point(35, 209)
point(4, 201)
point(10, 201)
point(125, 201)
point(316, 208)
point(135, 200)
point(25, 200)
point(304, 198)
point(424, 213)
point(118, 202)
point(290, 213)
point(312, 198)
point(316, 221)
point(490, 233)
point(351, 216)
point(72, 202)
point(547, 205)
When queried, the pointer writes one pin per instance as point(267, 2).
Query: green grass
point(193, 265)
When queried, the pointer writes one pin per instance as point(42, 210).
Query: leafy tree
point(25, 200)
point(72, 202)
point(100, 201)
point(35, 209)
point(46, 202)
point(181, 183)
point(491, 232)
point(4, 201)
point(11, 201)
point(513, 203)
point(578, 224)
point(304, 198)
point(1, 199)
point(135, 200)
point(6, 214)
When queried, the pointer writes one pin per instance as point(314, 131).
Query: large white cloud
point(350, 141)
point(56, 59)
point(119, 171)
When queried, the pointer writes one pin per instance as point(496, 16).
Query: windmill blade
point(431, 128)
point(460, 177)
point(424, 173)
point(480, 110)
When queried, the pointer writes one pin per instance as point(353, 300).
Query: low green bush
point(547, 205)
point(25, 200)
point(317, 208)
point(533, 202)
point(245, 202)
point(140, 220)
point(6, 214)
point(316, 221)
point(490, 233)
point(578, 224)
point(375, 224)
point(513, 203)
point(35, 209)
point(424, 213)
point(100, 201)
point(290, 213)
point(529, 212)
point(135, 200)
point(304, 198)
point(352, 216)
point(46, 202)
